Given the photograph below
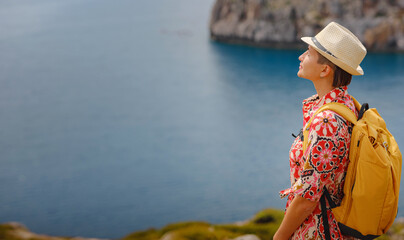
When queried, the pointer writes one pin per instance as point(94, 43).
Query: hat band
point(321, 47)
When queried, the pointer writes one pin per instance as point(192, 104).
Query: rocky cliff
point(379, 24)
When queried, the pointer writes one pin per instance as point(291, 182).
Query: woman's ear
point(327, 71)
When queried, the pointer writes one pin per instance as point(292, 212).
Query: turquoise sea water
point(117, 116)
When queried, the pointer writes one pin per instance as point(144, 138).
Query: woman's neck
point(323, 87)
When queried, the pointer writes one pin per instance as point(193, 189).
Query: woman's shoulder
point(329, 123)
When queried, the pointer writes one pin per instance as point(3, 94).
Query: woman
point(333, 56)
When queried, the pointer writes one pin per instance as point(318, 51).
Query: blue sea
point(118, 116)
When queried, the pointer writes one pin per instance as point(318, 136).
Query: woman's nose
point(301, 57)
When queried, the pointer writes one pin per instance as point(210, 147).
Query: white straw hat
point(340, 46)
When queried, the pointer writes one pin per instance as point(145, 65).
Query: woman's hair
point(341, 77)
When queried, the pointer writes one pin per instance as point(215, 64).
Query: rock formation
point(379, 24)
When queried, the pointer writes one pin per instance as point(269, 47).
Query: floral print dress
point(323, 164)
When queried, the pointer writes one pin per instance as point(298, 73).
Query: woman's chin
point(299, 74)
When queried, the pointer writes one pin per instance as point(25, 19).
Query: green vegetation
point(263, 224)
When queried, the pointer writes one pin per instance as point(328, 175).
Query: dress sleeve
point(322, 155)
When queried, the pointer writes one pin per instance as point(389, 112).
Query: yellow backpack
point(372, 182)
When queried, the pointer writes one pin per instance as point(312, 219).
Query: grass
point(263, 224)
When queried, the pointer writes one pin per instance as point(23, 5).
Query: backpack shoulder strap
point(339, 108)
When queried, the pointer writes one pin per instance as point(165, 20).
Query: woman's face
point(309, 67)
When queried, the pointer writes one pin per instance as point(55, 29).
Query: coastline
point(283, 45)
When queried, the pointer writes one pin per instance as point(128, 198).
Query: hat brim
point(336, 61)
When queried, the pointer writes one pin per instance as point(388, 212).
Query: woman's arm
point(299, 209)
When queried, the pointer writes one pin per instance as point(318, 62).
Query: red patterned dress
point(327, 156)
